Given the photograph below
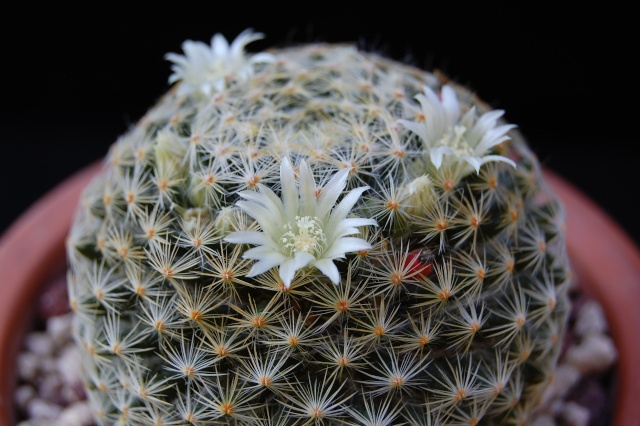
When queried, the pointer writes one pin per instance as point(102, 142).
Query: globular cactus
point(317, 235)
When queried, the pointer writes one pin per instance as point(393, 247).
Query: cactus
point(317, 235)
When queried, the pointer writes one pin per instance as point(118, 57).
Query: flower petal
point(473, 162)
point(287, 272)
point(348, 227)
point(330, 193)
point(344, 207)
point(248, 237)
point(289, 192)
point(257, 253)
point(328, 268)
point(358, 221)
point(493, 138)
point(267, 198)
point(342, 232)
point(245, 37)
point(302, 259)
point(419, 129)
point(434, 114)
point(482, 125)
point(346, 245)
point(266, 263)
point(289, 267)
point(436, 155)
point(488, 158)
point(262, 57)
point(450, 105)
point(219, 45)
point(264, 217)
point(307, 190)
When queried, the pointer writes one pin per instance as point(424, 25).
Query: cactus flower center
point(305, 235)
point(454, 139)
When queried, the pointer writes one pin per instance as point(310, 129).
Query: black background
point(75, 77)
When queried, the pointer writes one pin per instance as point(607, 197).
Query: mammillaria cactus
point(317, 235)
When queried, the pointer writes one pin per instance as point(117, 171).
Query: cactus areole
point(316, 235)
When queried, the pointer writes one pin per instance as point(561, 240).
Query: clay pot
point(31, 251)
point(605, 260)
point(607, 265)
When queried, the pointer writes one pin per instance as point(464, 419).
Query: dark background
point(75, 77)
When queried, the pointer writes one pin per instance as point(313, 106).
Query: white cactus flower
point(304, 227)
point(445, 134)
point(205, 68)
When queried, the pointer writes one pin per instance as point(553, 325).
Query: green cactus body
point(319, 235)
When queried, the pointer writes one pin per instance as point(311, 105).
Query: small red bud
point(419, 262)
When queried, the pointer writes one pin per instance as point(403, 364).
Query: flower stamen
point(306, 235)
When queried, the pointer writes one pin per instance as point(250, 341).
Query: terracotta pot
point(607, 264)
point(605, 260)
point(33, 246)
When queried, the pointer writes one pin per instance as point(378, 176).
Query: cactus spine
point(317, 235)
